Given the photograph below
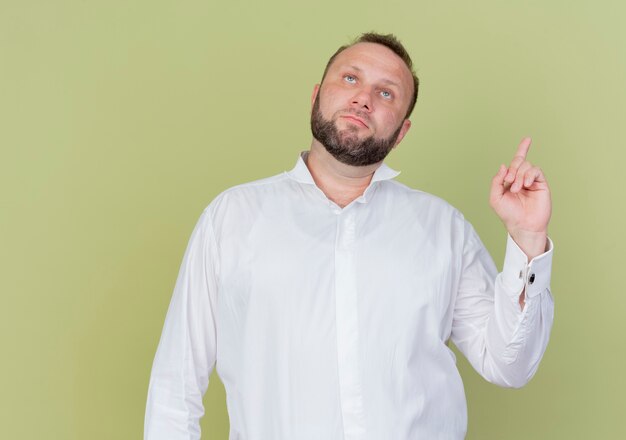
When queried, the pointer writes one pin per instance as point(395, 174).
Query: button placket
point(350, 384)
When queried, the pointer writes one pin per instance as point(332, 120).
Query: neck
point(341, 183)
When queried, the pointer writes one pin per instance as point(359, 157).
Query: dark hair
point(390, 41)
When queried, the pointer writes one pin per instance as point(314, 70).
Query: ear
point(405, 128)
point(316, 90)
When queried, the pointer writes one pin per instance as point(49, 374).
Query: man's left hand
point(521, 197)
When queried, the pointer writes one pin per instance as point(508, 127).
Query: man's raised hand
point(520, 196)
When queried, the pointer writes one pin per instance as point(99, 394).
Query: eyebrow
point(384, 81)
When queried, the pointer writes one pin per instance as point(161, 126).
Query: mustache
point(355, 112)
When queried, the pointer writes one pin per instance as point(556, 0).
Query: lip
point(356, 119)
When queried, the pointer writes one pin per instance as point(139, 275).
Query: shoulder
point(247, 197)
point(415, 199)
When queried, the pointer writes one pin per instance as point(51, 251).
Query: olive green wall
point(121, 120)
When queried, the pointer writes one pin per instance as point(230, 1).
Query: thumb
point(497, 185)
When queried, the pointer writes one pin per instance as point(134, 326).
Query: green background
point(121, 120)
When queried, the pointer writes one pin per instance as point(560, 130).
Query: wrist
point(532, 243)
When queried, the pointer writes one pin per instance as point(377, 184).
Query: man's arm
point(520, 196)
point(503, 326)
point(503, 342)
point(187, 350)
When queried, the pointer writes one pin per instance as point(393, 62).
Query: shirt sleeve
point(503, 342)
point(186, 353)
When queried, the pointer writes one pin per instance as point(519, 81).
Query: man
point(325, 296)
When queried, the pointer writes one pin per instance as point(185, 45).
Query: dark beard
point(345, 146)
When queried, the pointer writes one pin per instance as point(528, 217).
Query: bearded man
point(326, 296)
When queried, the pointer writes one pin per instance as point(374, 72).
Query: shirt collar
point(300, 173)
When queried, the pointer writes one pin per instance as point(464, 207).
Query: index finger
point(522, 149)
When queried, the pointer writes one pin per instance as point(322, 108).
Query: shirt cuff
point(518, 272)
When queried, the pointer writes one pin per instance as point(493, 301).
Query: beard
point(345, 145)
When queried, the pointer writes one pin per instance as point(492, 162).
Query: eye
point(385, 94)
point(350, 78)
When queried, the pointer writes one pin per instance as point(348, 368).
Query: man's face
point(358, 111)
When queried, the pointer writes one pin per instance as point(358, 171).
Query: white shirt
point(332, 324)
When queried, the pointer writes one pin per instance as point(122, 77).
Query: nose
point(362, 100)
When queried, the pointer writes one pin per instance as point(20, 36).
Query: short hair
point(390, 41)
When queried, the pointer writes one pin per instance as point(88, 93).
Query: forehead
point(377, 61)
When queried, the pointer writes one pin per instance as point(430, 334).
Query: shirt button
point(520, 274)
point(531, 279)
